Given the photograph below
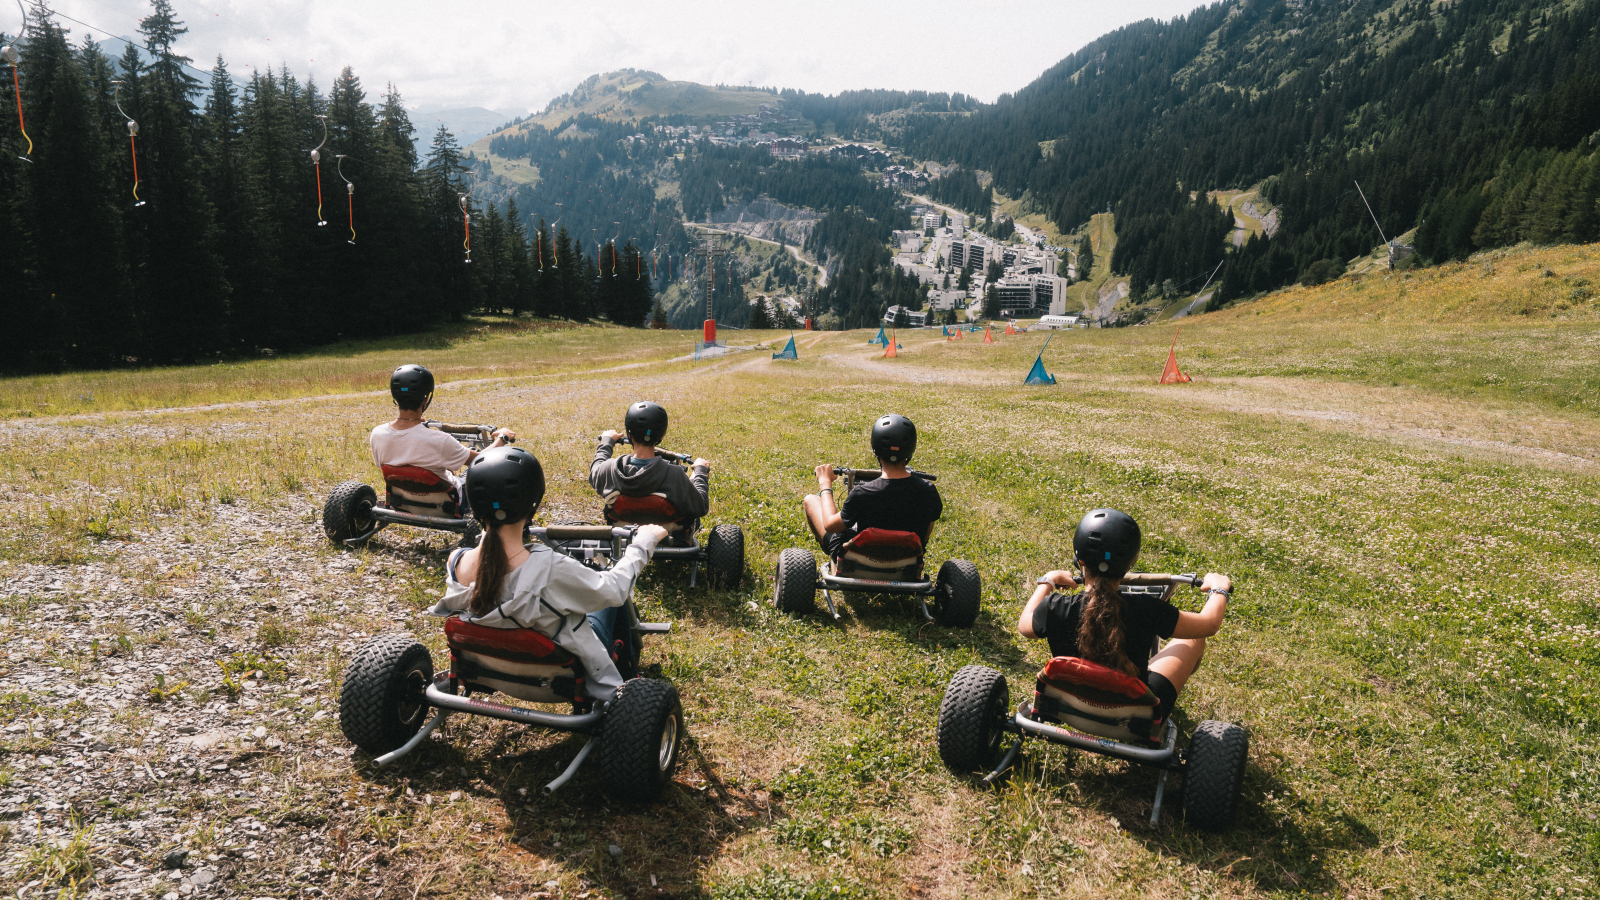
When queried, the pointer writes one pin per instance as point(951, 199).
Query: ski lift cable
point(133, 133)
point(58, 14)
point(13, 58)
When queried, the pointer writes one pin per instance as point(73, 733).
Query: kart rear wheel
point(972, 719)
point(1214, 774)
point(796, 588)
point(348, 512)
point(639, 739)
point(725, 556)
point(957, 593)
point(381, 703)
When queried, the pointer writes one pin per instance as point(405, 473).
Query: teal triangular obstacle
point(1037, 374)
point(789, 351)
point(945, 329)
point(882, 339)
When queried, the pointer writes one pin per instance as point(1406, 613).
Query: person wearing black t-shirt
point(896, 501)
point(1119, 632)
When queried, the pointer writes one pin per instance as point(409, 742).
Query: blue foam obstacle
point(789, 351)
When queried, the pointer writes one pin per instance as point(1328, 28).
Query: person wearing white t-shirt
point(408, 442)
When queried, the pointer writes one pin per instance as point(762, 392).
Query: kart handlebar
point(870, 474)
point(582, 532)
point(674, 457)
point(1156, 578)
point(448, 428)
point(484, 433)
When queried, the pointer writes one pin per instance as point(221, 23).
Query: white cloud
point(513, 55)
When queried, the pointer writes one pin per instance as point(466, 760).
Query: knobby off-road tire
point(639, 740)
point(348, 512)
point(959, 589)
point(725, 556)
point(1214, 774)
point(381, 703)
point(972, 717)
point(796, 588)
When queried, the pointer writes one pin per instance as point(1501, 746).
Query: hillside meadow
point(1398, 470)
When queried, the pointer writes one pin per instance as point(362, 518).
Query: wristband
point(1046, 580)
point(1225, 593)
point(826, 490)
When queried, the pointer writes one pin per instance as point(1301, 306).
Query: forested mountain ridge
point(1470, 119)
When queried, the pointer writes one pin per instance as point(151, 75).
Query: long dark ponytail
point(494, 564)
point(1101, 638)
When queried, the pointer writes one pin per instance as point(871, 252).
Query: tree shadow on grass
point(663, 845)
point(1282, 849)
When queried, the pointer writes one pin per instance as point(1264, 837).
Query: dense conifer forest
point(1475, 120)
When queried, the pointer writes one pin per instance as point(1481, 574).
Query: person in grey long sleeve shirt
point(642, 473)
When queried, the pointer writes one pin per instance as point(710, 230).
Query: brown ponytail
point(494, 564)
point(1100, 635)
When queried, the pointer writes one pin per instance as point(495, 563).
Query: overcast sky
point(516, 55)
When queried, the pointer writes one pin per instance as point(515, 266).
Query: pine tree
point(519, 265)
point(182, 294)
point(78, 232)
point(759, 318)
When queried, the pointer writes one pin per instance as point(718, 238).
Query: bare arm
point(1057, 579)
point(1207, 621)
point(832, 522)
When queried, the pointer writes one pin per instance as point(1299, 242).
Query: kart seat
point(519, 662)
point(1098, 700)
point(881, 555)
point(651, 509)
point(416, 490)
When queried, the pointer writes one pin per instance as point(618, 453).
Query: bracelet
point(1227, 593)
point(1044, 580)
point(826, 490)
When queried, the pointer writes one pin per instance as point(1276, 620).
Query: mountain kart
point(390, 686)
point(412, 496)
point(722, 553)
point(1096, 709)
point(878, 561)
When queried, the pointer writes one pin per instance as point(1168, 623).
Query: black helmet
point(646, 423)
point(504, 484)
point(411, 386)
point(894, 439)
point(1107, 542)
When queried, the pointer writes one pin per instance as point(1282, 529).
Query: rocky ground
point(172, 725)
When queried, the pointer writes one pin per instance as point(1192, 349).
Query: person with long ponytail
point(503, 584)
point(1103, 626)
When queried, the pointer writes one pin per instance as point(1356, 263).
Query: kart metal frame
point(1166, 756)
point(828, 582)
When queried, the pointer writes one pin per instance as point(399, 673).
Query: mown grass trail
point(1399, 472)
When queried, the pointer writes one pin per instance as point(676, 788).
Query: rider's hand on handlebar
point(702, 464)
point(825, 476)
point(1217, 581)
point(611, 435)
point(502, 436)
point(1061, 578)
point(659, 533)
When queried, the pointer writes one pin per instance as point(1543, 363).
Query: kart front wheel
point(725, 556)
point(796, 590)
point(639, 740)
point(972, 719)
point(348, 512)
point(381, 703)
point(1214, 774)
point(958, 590)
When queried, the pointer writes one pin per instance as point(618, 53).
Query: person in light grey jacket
point(503, 584)
point(642, 472)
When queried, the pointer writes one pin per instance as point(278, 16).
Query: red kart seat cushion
point(1098, 700)
point(877, 553)
point(518, 662)
point(651, 509)
point(416, 490)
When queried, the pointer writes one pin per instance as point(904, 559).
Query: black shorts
point(1164, 691)
point(833, 544)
